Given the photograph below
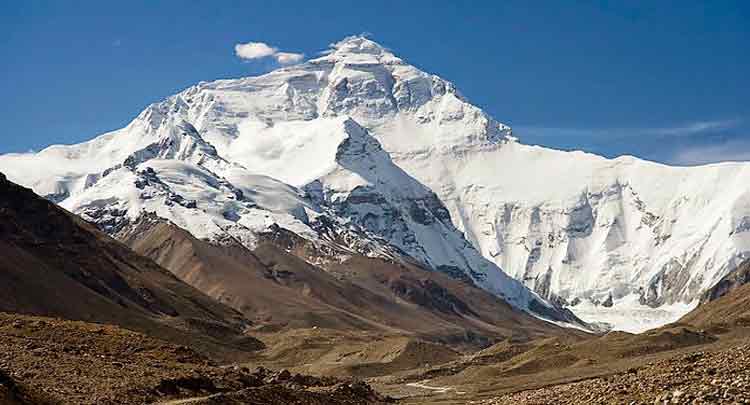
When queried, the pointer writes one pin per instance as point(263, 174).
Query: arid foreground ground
point(48, 361)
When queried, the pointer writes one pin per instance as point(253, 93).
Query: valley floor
point(51, 361)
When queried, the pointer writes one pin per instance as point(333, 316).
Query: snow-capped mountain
point(230, 160)
point(400, 163)
point(641, 239)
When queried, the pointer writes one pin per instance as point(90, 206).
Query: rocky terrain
point(48, 361)
point(15, 393)
point(82, 363)
point(720, 377)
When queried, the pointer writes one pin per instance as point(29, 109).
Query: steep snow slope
point(360, 136)
point(585, 228)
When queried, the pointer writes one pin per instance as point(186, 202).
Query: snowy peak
point(356, 46)
point(358, 79)
point(365, 80)
point(176, 139)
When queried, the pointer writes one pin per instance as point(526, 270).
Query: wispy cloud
point(730, 151)
point(259, 50)
point(698, 127)
point(689, 129)
point(694, 143)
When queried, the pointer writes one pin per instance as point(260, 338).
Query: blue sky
point(667, 81)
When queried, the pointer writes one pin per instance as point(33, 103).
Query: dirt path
point(184, 401)
point(438, 390)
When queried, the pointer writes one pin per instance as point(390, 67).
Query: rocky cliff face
point(731, 282)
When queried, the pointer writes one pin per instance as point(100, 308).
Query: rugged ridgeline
point(54, 264)
point(361, 153)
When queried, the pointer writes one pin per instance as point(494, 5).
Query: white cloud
point(259, 50)
point(287, 58)
point(731, 151)
point(254, 50)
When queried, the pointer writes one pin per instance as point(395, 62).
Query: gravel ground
point(721, 377)
point(82, 363)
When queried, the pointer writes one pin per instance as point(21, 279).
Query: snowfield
point(397, 162)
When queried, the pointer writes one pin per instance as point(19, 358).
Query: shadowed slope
point(54, 264)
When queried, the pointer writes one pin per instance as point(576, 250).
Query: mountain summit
point(359, 45)
point(359, 152)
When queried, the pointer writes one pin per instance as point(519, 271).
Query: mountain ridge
point(572, 227)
